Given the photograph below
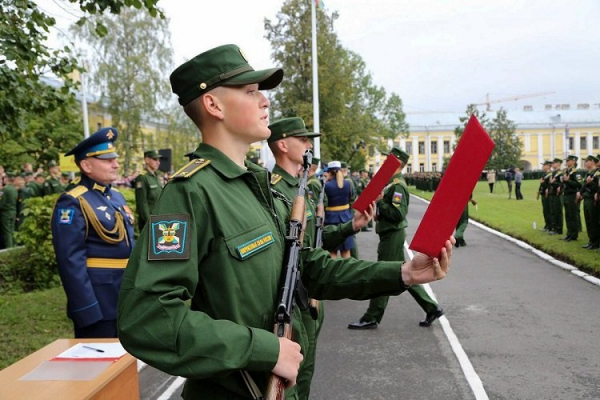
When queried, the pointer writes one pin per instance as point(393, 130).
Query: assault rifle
point(320, 220)
point(289, 292)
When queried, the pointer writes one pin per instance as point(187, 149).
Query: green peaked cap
point(222, 66)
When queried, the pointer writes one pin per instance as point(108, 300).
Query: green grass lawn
point(30, 321)
point(517, 218)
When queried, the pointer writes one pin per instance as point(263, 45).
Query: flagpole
point(315, 74)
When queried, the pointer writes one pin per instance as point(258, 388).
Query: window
point(571, 143)
point(434, 147)
point(596, 142)
point(409, 168)
point(434, 167)
point(421, 148)
point(446, 147)
point(409, 147)
point(421, 167)
point(583, 143)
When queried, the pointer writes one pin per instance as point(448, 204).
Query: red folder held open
point(455, 189)
point(376, 185)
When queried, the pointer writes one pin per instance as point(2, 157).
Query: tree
point(128, 68)
point(25, 59)
point(508, 148)
point(507, 152)
point(352, 108)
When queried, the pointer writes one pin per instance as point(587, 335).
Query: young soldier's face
point(245, 112)
point(297, 146)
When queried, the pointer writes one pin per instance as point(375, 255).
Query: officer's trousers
point(461, 226)
point(571, 210)
point(557, 213)
point(546, 212)
point(590, 212)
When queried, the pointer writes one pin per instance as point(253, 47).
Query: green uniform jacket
point(8, 214)
point(589, 189)
point(314, 188)
point(573, 185)
point(36, 189)
point(545, 184)
point(227, 263)
point(332, 234)
point(392, 209)
point(557, 175)
point(147, 191)
point(52, 186)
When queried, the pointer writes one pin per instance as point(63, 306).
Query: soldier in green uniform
point(8, 211)
point(23, 193)
point(313, 183)
point(288, 141)
point(147, 187)
point(590, 211)
point(556, 198)
point(36, 185)
point(571, 182)
point(52, 185)
point(543, 192)
point(64, 180)
point(462, 224)
point(362, 184)
point(392, 210)
point(201, 288)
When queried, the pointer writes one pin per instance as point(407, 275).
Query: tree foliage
point(128, 68)
point(352, 107)
point(25, 60)
point(508, 148)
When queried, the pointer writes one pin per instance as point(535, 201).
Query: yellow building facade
point(555, 131)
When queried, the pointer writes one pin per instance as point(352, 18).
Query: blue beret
point(99, 145)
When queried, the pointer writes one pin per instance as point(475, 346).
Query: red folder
point(455, 189)
point(376, 185)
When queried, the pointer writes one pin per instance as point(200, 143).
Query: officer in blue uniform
point(92, 233)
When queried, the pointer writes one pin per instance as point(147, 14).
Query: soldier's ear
point(282, 145)
point(213, 104)
point(85, 166)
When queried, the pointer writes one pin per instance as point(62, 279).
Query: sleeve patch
point(397, 198)
point(169, 237)
point(65, 216)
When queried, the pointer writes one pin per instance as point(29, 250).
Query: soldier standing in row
point(392, 211)
point(543, 191)
point(92, 234)
point(571, 183)
point(147, 187)
point(590, 209)
point(8, 211)
point(52, 185)
point(555, 197)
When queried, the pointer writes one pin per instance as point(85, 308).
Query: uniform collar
point(289, 179)
point(92, 184)
point(150, 172)
point(223, 164)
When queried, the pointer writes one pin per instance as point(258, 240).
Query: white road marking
point(172, 389)
point(472, 378)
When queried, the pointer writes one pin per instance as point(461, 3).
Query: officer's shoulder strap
point(190, 168)
point(115, 189)
point(275, 178)
point(77, 191)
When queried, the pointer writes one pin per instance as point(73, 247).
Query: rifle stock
point(291, 275)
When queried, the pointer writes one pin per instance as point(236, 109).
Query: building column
point(577, 144)
point(440, 149)
point(415, 153)
point(540, 140)
point(589, 143)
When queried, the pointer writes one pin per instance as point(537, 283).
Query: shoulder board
point(77, 191)
point(76, 181)
point(275, 178)
point(190, 168)
point(115, 189)
point(396, 181)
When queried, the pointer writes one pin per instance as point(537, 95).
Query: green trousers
point(391, 248)
point(461, 226)
point(571, 211)
point(557, 213)
point(590, 213)
point(7, 228)
point(313, 328)
point(546, 212)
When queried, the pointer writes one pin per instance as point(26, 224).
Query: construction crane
point(512, 98)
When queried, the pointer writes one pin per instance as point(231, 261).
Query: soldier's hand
point(288, 362)
point(424, 269)
point(360, 220)
point(320, 209)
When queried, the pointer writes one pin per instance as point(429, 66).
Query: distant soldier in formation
point(23, 193)
point(543, 192)
point(554, 193)
point(314, 184)
point(8, 211)
point(148, 186)
point(52, 185)
point(571, 182)
point(589, 188)
point(64, 180)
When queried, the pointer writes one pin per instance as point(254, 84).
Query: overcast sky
point(438, 55)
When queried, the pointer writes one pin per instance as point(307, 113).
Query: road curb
point(547, 257)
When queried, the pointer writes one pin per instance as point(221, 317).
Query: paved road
point(529, 329)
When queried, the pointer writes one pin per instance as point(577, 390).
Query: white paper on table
point(89, 351)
